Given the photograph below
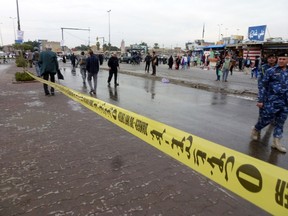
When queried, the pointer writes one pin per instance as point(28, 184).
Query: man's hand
point(260, 105)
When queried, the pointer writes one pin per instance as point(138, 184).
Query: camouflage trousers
point(276, 114)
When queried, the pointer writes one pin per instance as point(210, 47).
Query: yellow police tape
point(261, 183)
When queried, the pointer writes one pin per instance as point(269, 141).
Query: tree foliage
point(21, 62)
point(33, 44)
point(23, 76)
point(112, 48)
point(156, 46)
point(23, 47)
point(143, 44)
point(29, 45)
point(82, 47)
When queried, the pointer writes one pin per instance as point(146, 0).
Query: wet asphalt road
point(223, 119)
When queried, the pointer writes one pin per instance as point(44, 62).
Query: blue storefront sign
point(18, 41)
point(256, 33)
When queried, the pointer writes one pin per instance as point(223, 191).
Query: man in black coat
point(73, 59)
point(113, 69)
point(154, 63)
point(148, 61)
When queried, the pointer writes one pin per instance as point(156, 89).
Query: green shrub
point(23, 76)
point(21, 62)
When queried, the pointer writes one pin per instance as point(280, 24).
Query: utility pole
point(1, 35)
point(18, 17)
point(219, 25)
point(89, 37)
point(109, 28)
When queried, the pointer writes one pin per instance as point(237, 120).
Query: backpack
point(247, 63)
point(36, 56)
point(82, 60)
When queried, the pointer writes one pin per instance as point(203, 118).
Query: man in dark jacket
point(73, 59)
point(92, 66)
point(113, 69)
point(48, 67)
point(148, 61)
point(170, 62)
point(154, 63)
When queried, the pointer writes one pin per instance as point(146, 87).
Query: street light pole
point(89, 38)
point(18, 17)
point(226, 32)
point(219, 25)
point(109, 27)
point(1, 35)
point(13, 27)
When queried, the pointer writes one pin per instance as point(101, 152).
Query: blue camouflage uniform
point(273, 93)
point(261, 74)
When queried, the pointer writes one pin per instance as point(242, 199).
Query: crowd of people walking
point(47, 66)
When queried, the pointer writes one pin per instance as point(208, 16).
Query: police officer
point(271, 62)
point(273, 100)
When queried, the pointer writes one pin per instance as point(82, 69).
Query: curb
point(191, 84)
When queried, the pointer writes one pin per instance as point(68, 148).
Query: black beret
point(271, 55)
point(284, 54)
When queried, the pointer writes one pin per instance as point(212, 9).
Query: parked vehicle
point(129, 58)
point(126, 57)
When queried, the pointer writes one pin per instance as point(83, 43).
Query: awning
point(214, 47)
point(283, 46)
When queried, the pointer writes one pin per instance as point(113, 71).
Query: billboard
point(20, 35)
point(256, 33)
point(18, 41)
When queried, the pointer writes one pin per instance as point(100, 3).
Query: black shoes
point(115, 84)
point(48, 94)
point(92, 92)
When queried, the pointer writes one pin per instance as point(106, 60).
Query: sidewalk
point(195, 77)
point(59, 158)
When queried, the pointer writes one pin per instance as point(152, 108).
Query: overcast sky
point(166, 22)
